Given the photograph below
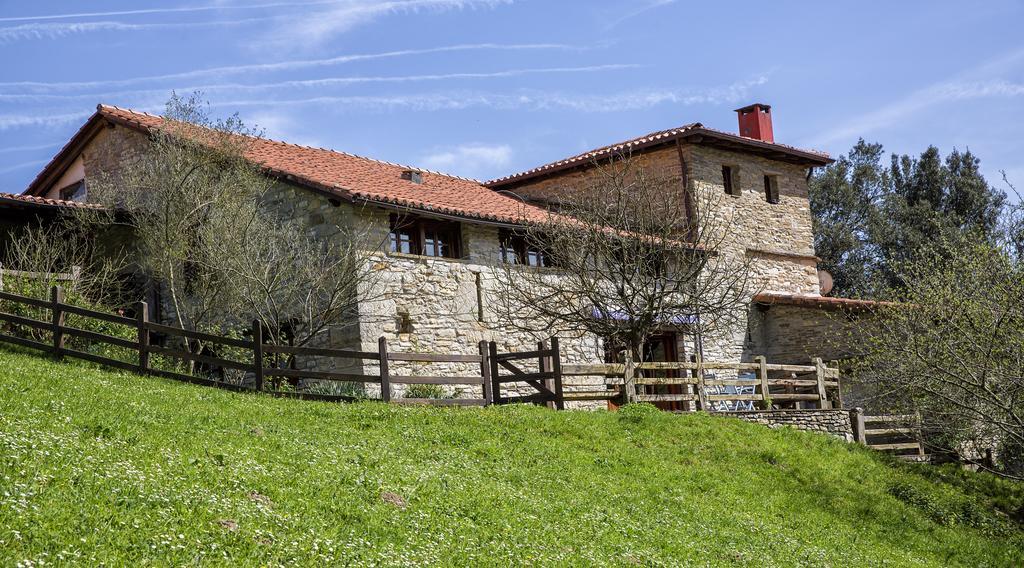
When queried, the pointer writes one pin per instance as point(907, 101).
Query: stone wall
point(775, 239)
point(833, 422)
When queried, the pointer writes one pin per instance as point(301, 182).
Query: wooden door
point(661, 348)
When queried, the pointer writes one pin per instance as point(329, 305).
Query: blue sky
point(483, 88)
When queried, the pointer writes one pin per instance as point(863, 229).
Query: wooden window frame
point(514, 249)
point(432, 238)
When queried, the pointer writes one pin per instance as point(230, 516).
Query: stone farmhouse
point(439, 265)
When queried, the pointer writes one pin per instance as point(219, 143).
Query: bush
point(637, 412)
point(427, 391)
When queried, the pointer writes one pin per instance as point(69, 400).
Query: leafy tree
point(951, 348)
point(869, 218)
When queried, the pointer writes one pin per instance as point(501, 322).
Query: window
point(771, 189)
point(427, 237)
point(516, 250)
point(731, 180)
point(74, 192)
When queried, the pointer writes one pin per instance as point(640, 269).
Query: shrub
point(637, 412)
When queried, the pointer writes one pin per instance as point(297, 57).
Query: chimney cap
point(754, 106)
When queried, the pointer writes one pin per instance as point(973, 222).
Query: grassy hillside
point(99, 467)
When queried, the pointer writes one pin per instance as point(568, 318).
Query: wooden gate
point(543, 386)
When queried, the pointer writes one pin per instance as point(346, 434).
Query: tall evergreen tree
point(869, 218)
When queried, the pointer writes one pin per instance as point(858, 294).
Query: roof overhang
point(691, 134)
point(768, 299)
point(64, 158)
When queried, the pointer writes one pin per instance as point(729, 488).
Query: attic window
point(413, 176)
point(74, 192)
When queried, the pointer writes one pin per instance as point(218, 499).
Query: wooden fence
point(250, 364)
point(697, 386)
point(502, 377)
point(898, 434)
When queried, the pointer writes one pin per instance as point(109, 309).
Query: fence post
point(762, 375)
point(385, 377)
point(492, 348)
point(556, 368)
point(839, 385)
point(141, 319)
point(56, 299)
point(702, 395)
point(819, 371)
point(857, 420)
point(628, 377)
point(543, 367)
point(485, 373)
point(257, 354)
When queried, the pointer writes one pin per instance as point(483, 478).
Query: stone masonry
point(832, 422)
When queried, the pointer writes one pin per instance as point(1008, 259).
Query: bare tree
point(297, 284)
point(951, 348)
point(633, 253)
point(89, 269)
point(211, 233)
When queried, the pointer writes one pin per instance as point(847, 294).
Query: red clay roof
point(355, 178)
point(812, 157)
point(20, 199)
point(817, 302)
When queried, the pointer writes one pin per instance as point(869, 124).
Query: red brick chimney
point(756, 122)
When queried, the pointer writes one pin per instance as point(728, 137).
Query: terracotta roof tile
point(818, 302)
point(363, 179)
point(656, 138)
point(34, 200)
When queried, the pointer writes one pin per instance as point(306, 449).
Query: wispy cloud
point(529, 100)
point(318, 26)
point(328, 82)
point(646, 6)
point(52, 30)
point(292, 65)
point(192, 9)
point(976, 83)
point(22, 166)
point(13, 149)
point(897, 112)
point(10, 121)
point(469, 160)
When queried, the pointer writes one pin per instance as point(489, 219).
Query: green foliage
point(869, 218)
point(429, 391)
point(99, 468)
point(637, 412)
point(949, 347)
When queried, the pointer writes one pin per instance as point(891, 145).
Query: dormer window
point(427, 237)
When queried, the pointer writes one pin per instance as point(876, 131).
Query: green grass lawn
point(108, 468)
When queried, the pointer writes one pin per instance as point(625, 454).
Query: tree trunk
point(629, 376)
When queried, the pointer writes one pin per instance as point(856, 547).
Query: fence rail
point(535, 376)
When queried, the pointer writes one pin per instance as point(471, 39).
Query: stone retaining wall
point(833, 422)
